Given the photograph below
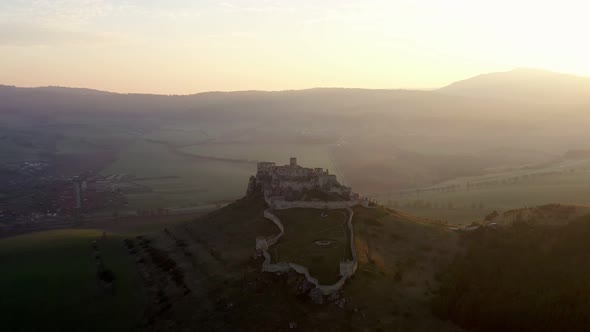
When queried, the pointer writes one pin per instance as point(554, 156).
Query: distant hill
point(524, 85)
point(400, 138)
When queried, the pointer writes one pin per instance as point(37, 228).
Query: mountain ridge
point(524, 84)
point(523, 72)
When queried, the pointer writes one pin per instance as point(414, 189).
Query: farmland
point(190, 182)
point(464, 200)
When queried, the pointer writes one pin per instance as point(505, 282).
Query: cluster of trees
point(441, 189)
point(482, 183)
point(520, 278)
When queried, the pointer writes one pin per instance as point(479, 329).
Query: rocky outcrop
point(251, 186)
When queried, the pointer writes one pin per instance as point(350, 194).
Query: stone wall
point(347, 269)
point(351, 232)
point(276, 221)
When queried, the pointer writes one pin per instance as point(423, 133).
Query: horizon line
point(283, 90)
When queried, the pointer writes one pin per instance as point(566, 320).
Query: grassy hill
point(207, 275)
point(49, 282)
point(520, 278)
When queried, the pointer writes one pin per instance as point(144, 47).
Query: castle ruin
point(293, 186)
point(295, 183)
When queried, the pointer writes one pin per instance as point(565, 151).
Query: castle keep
point(292, 183)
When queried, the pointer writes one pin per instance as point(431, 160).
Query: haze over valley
point(275, 165)
point(383, 143)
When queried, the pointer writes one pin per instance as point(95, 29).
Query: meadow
point(195, 181)
point(305, 226)
point(308, 155)
point(463, 205)
point(204, 173)
point(48, 282)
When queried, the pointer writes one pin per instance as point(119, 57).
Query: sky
point(189, 46)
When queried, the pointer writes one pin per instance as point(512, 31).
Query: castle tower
point(293, 162)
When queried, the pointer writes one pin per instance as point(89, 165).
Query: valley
point(411, 204)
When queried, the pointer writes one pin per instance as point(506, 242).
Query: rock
point(293, 278)
point(341, 303)
point(303, 287)
point(251, 186)
point(334, 297)
point(316, 296)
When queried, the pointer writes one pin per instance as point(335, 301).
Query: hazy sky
point(186, 46)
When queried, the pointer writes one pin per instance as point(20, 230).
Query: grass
point(305, 226)
point(459, 216)
point(48, 282)
point(137, 225)
point(519, 278)
point(308, 155)
point(399, 257)
point(198, 181)
point(565, 188)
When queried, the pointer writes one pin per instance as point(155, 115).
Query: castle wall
point(351, 232)
point(295, 185)
point(276, 221)
point(298, 178)
point(347, 269)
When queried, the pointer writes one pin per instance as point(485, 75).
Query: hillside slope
point(520, 278)
point(203, 274)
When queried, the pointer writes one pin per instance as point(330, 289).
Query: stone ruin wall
point(347, 269)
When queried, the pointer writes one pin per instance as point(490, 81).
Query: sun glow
point(184, 47)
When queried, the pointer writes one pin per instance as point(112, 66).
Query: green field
point(305, 226)
point(48, 283)
point(455, 216)
point(464, 206)
point(202, 181)
point(308, 155)
point(197, 181)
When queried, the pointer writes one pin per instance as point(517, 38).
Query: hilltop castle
point(294, 183)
